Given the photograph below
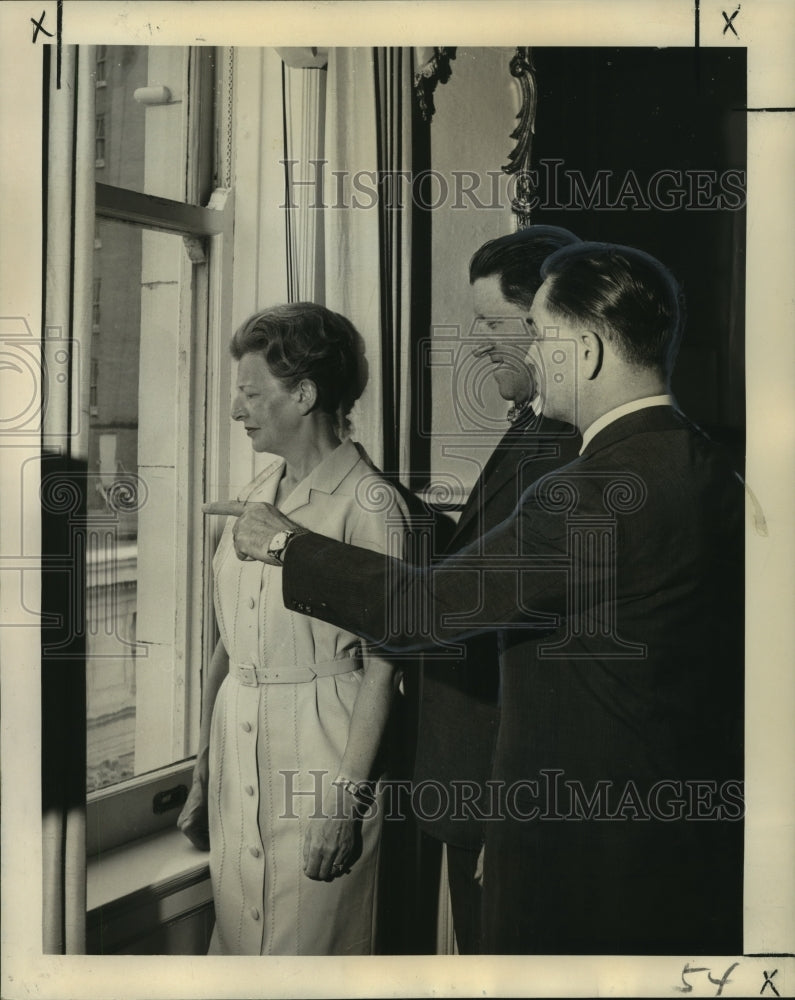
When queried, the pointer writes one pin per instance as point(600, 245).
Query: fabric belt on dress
point(251, 676)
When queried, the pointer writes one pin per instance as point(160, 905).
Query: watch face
point(278, 543)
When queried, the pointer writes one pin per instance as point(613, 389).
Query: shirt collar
point(621, 411)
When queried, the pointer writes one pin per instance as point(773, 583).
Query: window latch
point(170, 798)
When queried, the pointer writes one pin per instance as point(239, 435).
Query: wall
point(637, 113)
point(624, 115)
point(470, 134)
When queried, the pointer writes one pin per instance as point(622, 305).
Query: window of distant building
point(95, 303)
point(99, 141)
point(101, 66)
point(93, 390)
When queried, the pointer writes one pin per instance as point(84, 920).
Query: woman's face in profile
point(267, 410)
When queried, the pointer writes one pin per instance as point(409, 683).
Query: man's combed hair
point(517, 259)
point(623, 294)
point(303, 340)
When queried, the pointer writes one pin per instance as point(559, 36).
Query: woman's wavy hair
point(303, 340)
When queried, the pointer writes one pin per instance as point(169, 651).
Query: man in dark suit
point(622, 806)
point(459, 706)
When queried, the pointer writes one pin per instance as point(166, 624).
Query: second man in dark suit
point(459, 709)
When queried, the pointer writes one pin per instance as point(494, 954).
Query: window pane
point(142, 143)
point(136, 585)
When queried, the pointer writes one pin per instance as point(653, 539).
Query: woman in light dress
point(287, 766)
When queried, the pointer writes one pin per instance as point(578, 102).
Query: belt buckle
point(247, 675)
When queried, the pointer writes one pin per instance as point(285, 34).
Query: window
point(99, 141)
point(158, 301)
point(93, 390)
point(95, 303)
point(138, 590)
point(101, 60)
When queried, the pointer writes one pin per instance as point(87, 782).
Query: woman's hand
point(193, 821)
point(333, 844)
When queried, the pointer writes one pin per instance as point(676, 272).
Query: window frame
point(124, 812)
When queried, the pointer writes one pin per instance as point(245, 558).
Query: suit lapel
point(550, 442)
point(516, 444)
point(477, 497)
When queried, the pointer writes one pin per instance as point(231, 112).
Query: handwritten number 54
point(720, 983)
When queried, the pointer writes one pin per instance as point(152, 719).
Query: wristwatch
point(362, 791)
point(279, 544)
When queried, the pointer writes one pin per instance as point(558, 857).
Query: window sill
point(159, 864)
point(138, 893)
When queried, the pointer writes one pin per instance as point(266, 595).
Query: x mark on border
point(729, 20)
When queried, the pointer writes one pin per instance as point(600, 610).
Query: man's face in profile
point(501, 324)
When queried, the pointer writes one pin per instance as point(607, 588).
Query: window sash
point(162, 214)
point(199, 401)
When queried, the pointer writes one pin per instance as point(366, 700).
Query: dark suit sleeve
point(515, 576)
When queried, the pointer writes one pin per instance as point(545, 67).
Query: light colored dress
point(282, 713)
